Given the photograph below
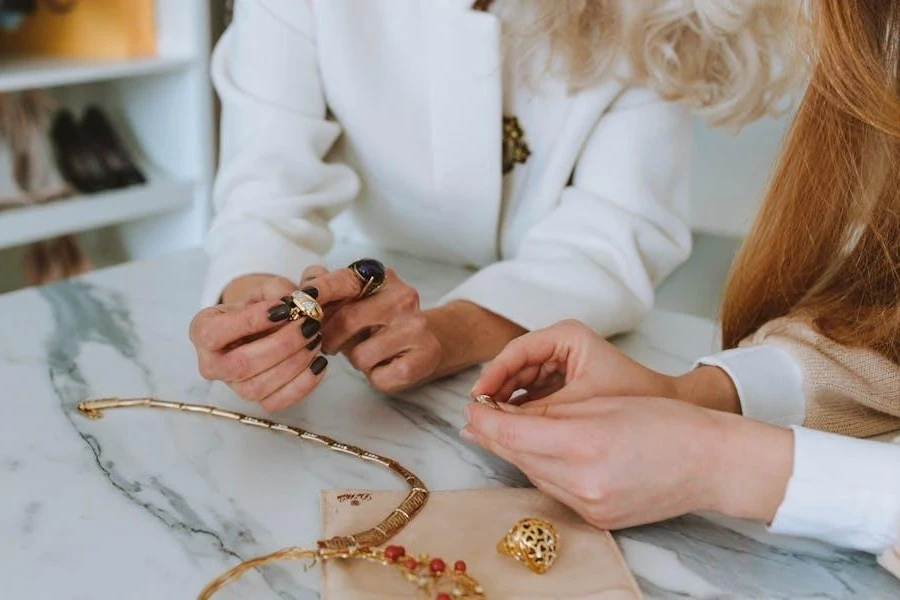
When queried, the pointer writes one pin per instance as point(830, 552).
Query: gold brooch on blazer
point(515, 148)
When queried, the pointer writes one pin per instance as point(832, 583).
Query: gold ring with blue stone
point(302, 304)
point(371, 275)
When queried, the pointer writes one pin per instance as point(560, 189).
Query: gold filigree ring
point(532, 542)
point(305, 305)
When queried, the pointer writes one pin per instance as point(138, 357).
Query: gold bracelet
point(382, 532)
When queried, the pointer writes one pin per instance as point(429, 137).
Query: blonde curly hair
point(732, 61)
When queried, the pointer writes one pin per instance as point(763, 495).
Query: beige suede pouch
point(466, 525)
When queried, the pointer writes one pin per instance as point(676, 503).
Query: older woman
point(812, 319)
point(536, 141)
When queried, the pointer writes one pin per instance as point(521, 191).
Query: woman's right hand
point(568, 362)
point(264, 359)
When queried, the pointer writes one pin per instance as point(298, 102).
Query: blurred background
point(108, 139)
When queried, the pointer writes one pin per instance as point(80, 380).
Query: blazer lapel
point(466, 118)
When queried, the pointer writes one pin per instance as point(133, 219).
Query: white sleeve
point(769, 382)
point(274, 194)
point(843, 491)
point(617, 231)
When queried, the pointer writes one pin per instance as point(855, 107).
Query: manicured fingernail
point(467, 412)
point(316, 341)
point(318, 365)
point(279, 313)
point(467, 435)
point(310, 328)
point(311, 291)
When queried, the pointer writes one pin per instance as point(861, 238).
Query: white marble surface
point(144, 504)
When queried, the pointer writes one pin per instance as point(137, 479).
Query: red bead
point(394, 552)
point(460, 566)
point(412, 564)
point(443, 596)
point(437, 566)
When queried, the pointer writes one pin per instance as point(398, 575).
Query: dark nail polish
point(318, 365)
point(311, 291)
point(310, 328)
point(316, 341)
point(279, 313)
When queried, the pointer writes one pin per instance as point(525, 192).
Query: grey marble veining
point(147, 504)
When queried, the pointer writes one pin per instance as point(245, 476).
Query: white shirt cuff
point(843, 491)
point(768, 381)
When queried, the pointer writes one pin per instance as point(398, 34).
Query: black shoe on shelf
point(78, 162)
point(109, 147)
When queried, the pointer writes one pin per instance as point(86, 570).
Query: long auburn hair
point(826, 243)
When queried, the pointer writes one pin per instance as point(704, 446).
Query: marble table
point(145, 504)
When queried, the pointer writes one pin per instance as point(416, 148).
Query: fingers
point(384, 345)
point(260, 387)
point(533, 465)
point(396, 302)
point(519, 364)
point(349, 322)
point(312, 272)
point(407, 370)
point(574, 405)
point(522, 433)
point(273, 288)
point(337, 286)
point(298, 388)
point(215, 328)
point(251, 359)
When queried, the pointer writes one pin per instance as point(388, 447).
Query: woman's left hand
point(386, 336)
point(620, 462)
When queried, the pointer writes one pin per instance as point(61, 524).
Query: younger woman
point(812, 319)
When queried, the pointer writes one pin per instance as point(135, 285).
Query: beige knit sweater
point(850, 391)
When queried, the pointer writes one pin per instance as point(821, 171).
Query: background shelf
point(18, 74)
point(84, 213)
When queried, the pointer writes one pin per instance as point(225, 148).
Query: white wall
point(731, 173)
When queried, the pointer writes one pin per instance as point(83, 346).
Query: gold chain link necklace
point(429, 575)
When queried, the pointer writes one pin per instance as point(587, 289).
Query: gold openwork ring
point(532, 542)
point(305, 305)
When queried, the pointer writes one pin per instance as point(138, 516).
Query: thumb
point(535, 359)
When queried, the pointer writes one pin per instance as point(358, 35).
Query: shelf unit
point(163, 108)
point(20, 226)
point(32, 73)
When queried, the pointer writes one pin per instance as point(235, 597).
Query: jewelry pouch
point(466, 525)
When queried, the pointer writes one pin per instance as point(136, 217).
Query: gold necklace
point(429, 575)
point(382, 532)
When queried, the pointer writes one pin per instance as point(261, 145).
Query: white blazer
point(390, 112)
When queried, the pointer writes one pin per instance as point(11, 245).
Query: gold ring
point(486, 400)
point(304, 304)
point(532, 542)
point(371, 274)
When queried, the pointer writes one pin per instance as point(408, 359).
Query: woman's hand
point(264, 359)
point(620, 462)
point(396, 344)
point(568, 362)
point(386, 336)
